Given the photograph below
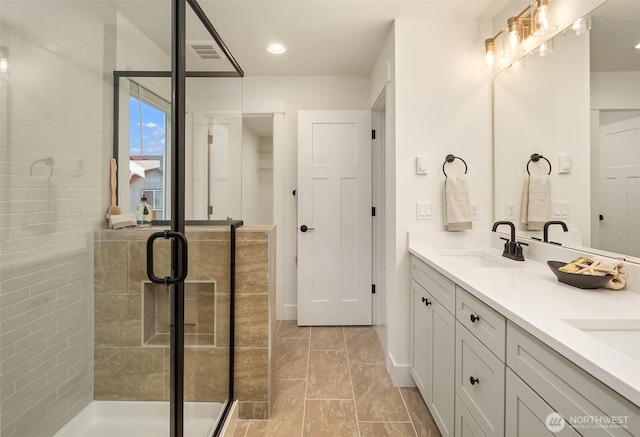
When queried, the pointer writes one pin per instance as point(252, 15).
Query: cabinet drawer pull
point(473, 380)
point(474, 318)
point(426, 301)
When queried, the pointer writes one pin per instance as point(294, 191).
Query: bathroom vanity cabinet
point(433, 340)
point(481, 374)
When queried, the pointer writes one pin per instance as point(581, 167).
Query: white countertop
point(530, 296)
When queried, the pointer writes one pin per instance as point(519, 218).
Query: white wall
point(441, 105)
point(257, 190)
point(292, 94)
point(55, 105)
point(615, 90)
point(136, 51)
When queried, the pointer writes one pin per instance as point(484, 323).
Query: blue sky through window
point(150, 129)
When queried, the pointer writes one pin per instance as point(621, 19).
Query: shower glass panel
point(82, 329)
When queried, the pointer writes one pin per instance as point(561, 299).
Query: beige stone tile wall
point(131, 318)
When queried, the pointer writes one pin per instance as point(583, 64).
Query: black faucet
point(512, 248)
point(545, 230)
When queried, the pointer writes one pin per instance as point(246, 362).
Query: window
point(149, 120)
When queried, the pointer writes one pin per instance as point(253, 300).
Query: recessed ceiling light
point(276, 48)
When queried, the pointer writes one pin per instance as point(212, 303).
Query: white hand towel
point(536, 202)
point(457, 211)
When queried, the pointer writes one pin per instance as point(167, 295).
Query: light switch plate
point(424, 210)
point(560, 209)
point(421, 165)
point(564, 164)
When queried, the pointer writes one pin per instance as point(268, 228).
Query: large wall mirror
point(580, 102)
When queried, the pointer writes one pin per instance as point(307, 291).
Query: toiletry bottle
point(143, 212)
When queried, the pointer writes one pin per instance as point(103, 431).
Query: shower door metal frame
point(178, 76)
point(178, 111)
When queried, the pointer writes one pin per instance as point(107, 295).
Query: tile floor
point(332, 382)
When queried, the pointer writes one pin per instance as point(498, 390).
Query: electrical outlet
point(510, 210)
point(475, 211)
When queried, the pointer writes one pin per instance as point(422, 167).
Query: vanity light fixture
point(580, 26)
point(638, 46)
point(276, 48)
point(544, 49)
point(489, 53)
point(511, 38)
point(541, 18)
point(4, 61)
point(534, 20)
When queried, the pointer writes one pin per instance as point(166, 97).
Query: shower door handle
point(181, 271)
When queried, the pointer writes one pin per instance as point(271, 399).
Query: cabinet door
point(480, 382)
point(441, 380)
point(466, 426)
point(421, 336)
point(527, 414)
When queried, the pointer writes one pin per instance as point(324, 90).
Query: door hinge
point(373, 211)
point(210, 209)
point(373, 288)
point(373, 134)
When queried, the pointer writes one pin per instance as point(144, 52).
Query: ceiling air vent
point(205, 50)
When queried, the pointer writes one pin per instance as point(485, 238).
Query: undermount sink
point(621, 334)
point(478, 259)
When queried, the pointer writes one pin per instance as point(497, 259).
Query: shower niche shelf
point(199, 314)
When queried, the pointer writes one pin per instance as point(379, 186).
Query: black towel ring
point(48, 161)
point(535, 158)
point(450, 158)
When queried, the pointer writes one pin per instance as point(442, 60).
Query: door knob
point(601, 217)
point(305, 228)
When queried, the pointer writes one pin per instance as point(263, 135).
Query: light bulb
point(511, 39)
point(542, 24)
point(489, 57)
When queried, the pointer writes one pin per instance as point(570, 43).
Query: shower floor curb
point(140, 418)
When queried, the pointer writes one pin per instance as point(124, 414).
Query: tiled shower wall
point(55, 141)
point(132, 364)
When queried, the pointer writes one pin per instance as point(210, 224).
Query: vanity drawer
point(568, 389)
point(480, 382)
point(440, 287)
point(485, 323)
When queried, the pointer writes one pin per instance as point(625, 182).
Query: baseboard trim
point(400, 373)
point(289, 312)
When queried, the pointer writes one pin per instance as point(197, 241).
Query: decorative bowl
point(577, 280)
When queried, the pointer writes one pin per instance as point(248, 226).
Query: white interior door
point(620, 187)
point(334, 204)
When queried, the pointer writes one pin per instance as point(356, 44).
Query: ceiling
point(344, 37)
point(615, 31)
point(323, 37)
